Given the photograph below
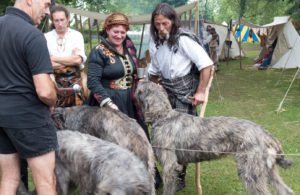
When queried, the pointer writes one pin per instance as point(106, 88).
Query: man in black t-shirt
point(27, 94)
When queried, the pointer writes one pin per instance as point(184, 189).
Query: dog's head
point(58, 117)
point(152, 98)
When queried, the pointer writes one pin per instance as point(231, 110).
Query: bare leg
point(10, 173)
point(42, 168)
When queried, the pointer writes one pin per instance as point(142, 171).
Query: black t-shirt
point(23, 53)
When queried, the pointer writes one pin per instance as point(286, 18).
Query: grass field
point(254, 95)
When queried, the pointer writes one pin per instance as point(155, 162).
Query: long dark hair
point(167, 11)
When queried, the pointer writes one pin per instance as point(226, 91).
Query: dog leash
point(214, 152)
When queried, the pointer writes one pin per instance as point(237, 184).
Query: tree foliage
point(175, 3)
point(4, 4)
point(294, 10)
point(131, 7)
point(255, 11)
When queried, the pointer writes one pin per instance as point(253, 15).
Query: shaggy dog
point(109, 125)
point(256, 151)
point(98, 167)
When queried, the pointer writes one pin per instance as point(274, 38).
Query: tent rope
point(218, 88)
point(281, 103)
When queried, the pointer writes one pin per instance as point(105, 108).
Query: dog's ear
point(140, 88)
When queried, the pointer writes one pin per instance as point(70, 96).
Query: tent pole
point(90, 34)
point(141, 43)
point(98, 31)
point(240, 44)
point(190, 19)
point(196, 18)
point(228, 41)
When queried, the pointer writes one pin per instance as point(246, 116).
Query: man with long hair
point(173, 53)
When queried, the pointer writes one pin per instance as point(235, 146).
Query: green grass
point(253, 95)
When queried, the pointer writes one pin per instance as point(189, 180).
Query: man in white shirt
point(66, 48)
point(173, 54)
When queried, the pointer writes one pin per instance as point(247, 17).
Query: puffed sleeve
point(95, 71)
point(195, 52)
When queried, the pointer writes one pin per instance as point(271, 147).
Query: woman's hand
point(112, 105)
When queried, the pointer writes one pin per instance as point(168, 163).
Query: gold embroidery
point(127, 80)
point(107, 53)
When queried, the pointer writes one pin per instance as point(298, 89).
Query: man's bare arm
point(72, 60)
point(45, 89)
point(204, 76)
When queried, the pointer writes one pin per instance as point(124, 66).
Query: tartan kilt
point(179, 92)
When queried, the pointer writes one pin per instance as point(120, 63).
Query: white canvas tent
point(287, 50)
point(222, 31)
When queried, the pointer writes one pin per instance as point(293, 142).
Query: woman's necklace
point(61, 44)
point(120, 49)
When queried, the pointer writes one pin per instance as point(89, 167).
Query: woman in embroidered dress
point(112, 68)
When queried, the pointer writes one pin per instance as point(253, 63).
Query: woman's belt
point(119, 84)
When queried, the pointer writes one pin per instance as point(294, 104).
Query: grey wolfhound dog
point(98, 167)
point(109, 125)
point(256, 151)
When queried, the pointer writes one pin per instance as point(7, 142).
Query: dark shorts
point(28, 142)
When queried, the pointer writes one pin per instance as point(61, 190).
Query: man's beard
point(164, 37)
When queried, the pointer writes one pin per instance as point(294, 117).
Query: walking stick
point(202, 112)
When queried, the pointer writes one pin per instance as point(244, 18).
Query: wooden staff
point(202, 112)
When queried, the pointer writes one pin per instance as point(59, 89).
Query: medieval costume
point(112, 73)
point(112, 76)
point(175, 67)
point(67, 77)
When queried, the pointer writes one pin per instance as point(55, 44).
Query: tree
point(294, 11)
point(175, 3)
point(4, 4)
point(255, 11)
